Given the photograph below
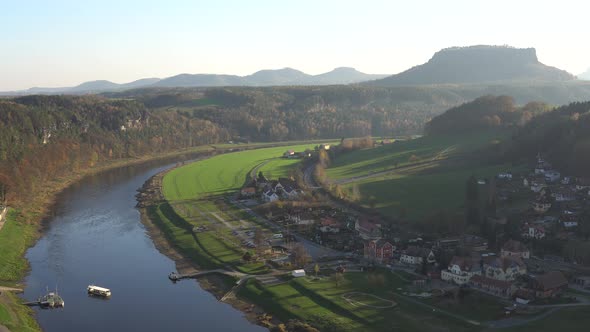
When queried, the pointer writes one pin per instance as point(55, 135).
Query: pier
point(179, 276)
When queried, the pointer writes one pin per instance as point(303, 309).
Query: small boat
point(51, 300)
point(173, 276)
point(99, 291)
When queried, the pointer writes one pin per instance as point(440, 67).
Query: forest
point(562, 136)
point(44, 137)
point(484, 113)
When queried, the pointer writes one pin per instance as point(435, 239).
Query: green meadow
point(226, 173)
point(408, 152)
point(420, 193)
point(192, 192)
point(324, 304)
point(433, 177)
point(15, 237)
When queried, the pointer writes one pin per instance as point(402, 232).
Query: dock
point(179, 276)
point(50, 300)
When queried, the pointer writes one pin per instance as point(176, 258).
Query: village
point(521, 270)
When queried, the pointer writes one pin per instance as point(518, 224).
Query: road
point(308, 177)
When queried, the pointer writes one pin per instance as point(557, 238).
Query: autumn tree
point(300, 256)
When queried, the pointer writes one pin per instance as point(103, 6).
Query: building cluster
point(271, 190)
point(556, 204)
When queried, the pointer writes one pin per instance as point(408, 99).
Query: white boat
point(100, 291)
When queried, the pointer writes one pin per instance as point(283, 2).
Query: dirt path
point(10, 289)
point(3, 217)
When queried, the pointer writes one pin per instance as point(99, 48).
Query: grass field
point(323, 303)
point(566, 319)
point(15, 238)
point(225, 173)
point(388, 157)
point(192, 192)
point(210, 250)
point(435, 183)
point(420, 194)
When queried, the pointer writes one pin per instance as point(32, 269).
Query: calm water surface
point(95, 236)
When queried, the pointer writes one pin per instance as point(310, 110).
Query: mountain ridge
point(265, 77)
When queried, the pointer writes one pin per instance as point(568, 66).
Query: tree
point(316, 269)
point(258, 238)
point(337, 278)
point(300, 256)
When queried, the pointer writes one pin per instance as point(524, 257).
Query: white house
point(563, 195)
point(570, 224)
point(534, 232)
point(461, 269)
point(416, 255)
point(552, 176)
point(298, 273)
point(503, 268)
point(538, 185)
point(270, 196)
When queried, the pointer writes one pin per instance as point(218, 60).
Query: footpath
point(3, 211)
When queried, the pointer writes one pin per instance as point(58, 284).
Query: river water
point(94, 236)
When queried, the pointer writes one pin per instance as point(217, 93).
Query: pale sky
point(65, 42)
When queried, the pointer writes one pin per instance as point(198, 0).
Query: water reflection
point(94, 236)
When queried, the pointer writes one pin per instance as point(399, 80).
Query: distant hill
point(87, 87)
point(268, 77)
point(477, 65)
point(196, 80)
point(483, 113)
point(585, 75)
point(345, 75)
point(285, 76)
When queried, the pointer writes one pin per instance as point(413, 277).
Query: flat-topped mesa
point(479, 64)
point(483, 53)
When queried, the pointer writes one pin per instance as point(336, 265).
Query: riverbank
point(29, 215)
point(24, 226)
point(219, 285)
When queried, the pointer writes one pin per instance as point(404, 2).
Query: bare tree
point(300, 256)
point(337, 278)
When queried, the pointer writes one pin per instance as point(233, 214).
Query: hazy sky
point(63, 43)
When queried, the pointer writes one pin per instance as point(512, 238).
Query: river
point(94, 236)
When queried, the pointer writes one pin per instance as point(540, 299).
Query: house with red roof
point(330, 225)
point(493, 286)
point(368, 229)
point(378, 250)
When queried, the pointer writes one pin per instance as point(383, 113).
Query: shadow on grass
point(328, 304)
